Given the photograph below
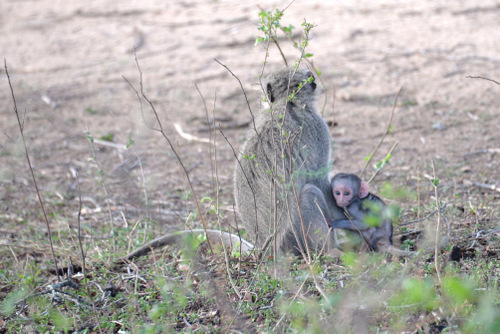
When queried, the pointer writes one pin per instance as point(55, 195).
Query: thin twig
point(487, 150)
point(313, 68)
point(389, 129)
point(26, 154)
point(246, 177)
point(478, 77)
point(103, 185)
point(424, 218)
point(210, 132)
point(379, 169)
point(275, 40)
point(226, 256)
point(436, 240)
point(297, 201)
point(291, 301)
point(163, 133)
point(418, 192)
point(244, 93)
point(82, 253)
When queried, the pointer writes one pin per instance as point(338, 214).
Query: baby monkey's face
point(343, 195)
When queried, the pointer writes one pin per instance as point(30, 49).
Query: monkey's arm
point(346, 224)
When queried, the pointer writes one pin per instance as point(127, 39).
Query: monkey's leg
point(315, 215)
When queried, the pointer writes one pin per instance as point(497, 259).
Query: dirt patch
point(67, 62)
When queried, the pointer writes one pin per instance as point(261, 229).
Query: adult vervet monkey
point(285, 162)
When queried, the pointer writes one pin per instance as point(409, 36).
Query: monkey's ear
point(313, 84)
point(364, 189)
point(270, 95)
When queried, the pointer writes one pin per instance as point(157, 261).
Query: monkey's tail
point(213, 236)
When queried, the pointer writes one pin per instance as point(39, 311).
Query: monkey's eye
point(337, 193)
point(347, 193)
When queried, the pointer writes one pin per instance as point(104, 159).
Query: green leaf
point(459, 290)
point(259, 40)
point(435, 182)
point(9, 303)
point(130, 142)
point(109, 137)
point(60, 321)
point(205, 199)
point(349, 259)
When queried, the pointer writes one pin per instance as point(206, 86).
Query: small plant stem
point(244, 174)
point(291, 301)
point(82, 253)
point(210, 133)
point(226, 256)
point(389, 125)
point(103, 185)
point(143, 177)
point(275, 40)
point(26, 154)
point(418, 192)
point(378, 170)
point(436, 241)
point(302, 225)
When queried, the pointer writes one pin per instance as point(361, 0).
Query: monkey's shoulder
point(371, 203)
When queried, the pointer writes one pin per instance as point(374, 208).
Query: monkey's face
point(289, 84)
point(343, 195)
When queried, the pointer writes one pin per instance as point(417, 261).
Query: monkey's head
point(290, 84)
point(348, 187)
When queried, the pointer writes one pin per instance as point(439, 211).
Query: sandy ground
point(67, 60)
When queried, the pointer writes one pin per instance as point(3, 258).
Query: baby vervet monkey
point(364, 211)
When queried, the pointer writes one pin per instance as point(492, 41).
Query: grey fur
point(378, 238)
point(289, 149)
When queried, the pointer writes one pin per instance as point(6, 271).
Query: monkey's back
point(291, 148)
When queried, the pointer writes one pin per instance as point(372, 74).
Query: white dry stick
point(487, 186)
point(189, 136)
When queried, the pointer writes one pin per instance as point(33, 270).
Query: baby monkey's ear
point(364, 189)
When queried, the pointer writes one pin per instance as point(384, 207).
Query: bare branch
point(478, 77)
point(26, 154)
point(163, 133)
point(244, 93)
